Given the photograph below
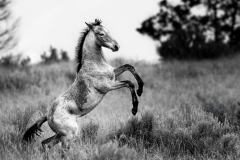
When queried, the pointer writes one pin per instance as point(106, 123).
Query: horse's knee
point(130, 84)
point(129, 67)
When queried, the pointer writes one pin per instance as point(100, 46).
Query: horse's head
point(103, 37)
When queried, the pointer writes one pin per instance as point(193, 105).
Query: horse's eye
point(101, 34)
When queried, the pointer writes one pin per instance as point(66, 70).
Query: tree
point(183, 34)
point(53, 54)
point(14, 61)
point(52, 58)
point(7, 26)
point(64, 55)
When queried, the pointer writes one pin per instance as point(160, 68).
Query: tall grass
point(189, 110)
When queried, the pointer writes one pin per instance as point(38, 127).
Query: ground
point(188, 110)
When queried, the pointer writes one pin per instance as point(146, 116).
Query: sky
point(59, 23)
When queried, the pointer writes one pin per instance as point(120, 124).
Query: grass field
point(189, 110)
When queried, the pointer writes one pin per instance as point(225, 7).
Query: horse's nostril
point(116, 47)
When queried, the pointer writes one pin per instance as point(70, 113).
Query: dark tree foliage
point(7, 26)
point(14, 61)
point(53, 57)
point(64, 55)
point(184, 35)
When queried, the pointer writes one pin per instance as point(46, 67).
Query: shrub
point(17, 79)
point(137, 131)
point(228, 144)
point(145, 134)
point(14, 81)
point(11, 139)
point(36, 76)
point(21, 118)
point(184, 131)
point(89, 132)
point(225, 111)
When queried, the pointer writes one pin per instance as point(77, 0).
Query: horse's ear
point(98, 21)
point(89, 25)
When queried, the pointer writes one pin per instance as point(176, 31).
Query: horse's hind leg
point(50, 142)
point(66, 140)
point(130, 68)
point(69, 133)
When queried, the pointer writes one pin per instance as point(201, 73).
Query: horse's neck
point(92, 53)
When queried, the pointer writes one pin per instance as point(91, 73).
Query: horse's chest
point(107, 72)
point(108, 75)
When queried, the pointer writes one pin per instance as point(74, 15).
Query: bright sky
point(59, 23)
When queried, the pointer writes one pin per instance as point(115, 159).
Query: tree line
point(185, 35)
point(53, 56)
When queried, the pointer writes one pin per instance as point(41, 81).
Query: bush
point(228, 144)
point(184, 131)
point(11, 140)
point(227, 111)
point(89, 132)
point(137, 131)
point(15, 80)
point(145, 134)
point(15, 126)
point(37, 76)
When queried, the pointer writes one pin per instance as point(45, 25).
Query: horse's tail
point(34, 130)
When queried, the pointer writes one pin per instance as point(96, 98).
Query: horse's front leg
point(130, 85)
point(130, 68)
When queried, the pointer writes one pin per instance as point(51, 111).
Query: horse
point(94, 78)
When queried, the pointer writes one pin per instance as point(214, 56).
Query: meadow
point(188, 110)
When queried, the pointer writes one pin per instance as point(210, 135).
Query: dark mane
point(81, 40)
point(78, 56)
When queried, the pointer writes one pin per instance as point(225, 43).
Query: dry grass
point(188, 111)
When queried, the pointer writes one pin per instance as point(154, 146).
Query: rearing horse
point(94, 78)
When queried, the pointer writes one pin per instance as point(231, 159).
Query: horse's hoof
point(139, 92)
point(134, 111)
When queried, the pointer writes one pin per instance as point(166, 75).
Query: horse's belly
point(92, 101)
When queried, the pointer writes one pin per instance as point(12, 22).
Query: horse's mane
point(79, 48)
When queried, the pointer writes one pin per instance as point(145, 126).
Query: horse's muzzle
point(115, 48)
